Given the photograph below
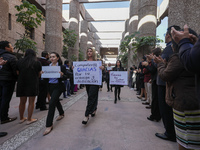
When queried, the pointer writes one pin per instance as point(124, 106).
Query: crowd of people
point(167, 81)
point(26, 72)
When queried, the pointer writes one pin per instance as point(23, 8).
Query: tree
point(30, 17)
point(69, 40)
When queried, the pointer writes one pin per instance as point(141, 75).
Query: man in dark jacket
point(43, 84)
point(166, 111)
point(8, 78)
point(2, 62)
point(189, 54)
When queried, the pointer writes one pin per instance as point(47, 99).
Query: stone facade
point(53, 28)
point(16, 29)
point(74, 11)
point(147, 12)
point(133, 24)
point(183, 12)
point(4, 11)
point(84, 37)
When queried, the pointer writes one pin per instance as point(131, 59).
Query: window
point(9, 22)
point(30, 32)
point(43, 38)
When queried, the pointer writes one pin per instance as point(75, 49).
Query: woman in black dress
point(56, 87)
point(28, 69)
point(118, 67)
point(92, 91)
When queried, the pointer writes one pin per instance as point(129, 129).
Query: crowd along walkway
point(121, 126)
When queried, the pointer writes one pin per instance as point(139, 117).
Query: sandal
point(60, 117)
point(22, 120)
point(48, 130)
point(32, 121)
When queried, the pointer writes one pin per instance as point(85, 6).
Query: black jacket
point(8, 71)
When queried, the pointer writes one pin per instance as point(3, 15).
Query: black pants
point(55, 91)
point(166, 113)
point(117, 91)
point(155, 112)
point(43, 90)
point(108, 85)
point(92, 92)
point(6, 92)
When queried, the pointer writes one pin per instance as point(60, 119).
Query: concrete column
point(84, 37)
point(4, 7)
point(183, 12)
point(133, 24)
point(90, 42)
point(53, 26)
point(126, 27)
point(74, 12)
point(147, 13)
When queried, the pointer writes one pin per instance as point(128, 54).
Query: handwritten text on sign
point(118, 78)
point(50, 72)
point(87, 72)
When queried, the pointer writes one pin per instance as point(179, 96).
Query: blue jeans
point(67, 85)
point(6, 92)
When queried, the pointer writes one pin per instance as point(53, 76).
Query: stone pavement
point(121, 126)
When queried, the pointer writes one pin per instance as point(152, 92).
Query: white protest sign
point(50, 72)
point(87, 72)
point(109, 68)
point(118, 78)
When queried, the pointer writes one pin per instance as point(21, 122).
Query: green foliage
point(73, 58)
point(69, 38)
point(140, 42)
point(124, 59)
point(65, 52)
point(24, 44)
point(124, 46)
point(29, 15)
point(81, 56)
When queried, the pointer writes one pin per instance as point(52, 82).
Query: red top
point(147, 74)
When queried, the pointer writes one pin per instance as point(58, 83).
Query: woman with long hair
point(28, 70)
point(56, 87)
point(118, 67)
point(92, 91)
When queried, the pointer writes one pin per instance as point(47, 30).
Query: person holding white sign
point(118, 67)
point(92, 91)
point(56, 87)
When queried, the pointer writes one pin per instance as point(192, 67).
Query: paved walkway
point(121, 126)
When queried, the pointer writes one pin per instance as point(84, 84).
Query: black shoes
point(8, 120)
point(94, 113)
point(152, 119)
point(85, 122)
point(164, 137)
point(3, 134)
point(108, 90)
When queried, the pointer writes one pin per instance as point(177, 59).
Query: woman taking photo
point(56, 87)
point(28, 69)
point(118, 67)
point(92, 91)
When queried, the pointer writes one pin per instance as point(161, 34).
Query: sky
point(160, 31)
